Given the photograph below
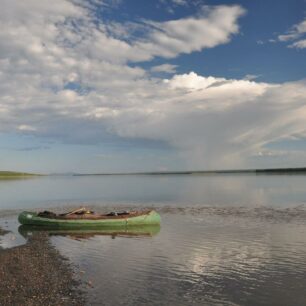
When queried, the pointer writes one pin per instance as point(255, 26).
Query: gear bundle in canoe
point(82, 217)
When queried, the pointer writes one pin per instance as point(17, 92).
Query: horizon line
point(222, 171)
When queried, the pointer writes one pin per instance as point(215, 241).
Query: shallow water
point(224, 240)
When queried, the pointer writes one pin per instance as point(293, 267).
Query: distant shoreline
point(271, 171)
point(207, 172)
point(16, 175)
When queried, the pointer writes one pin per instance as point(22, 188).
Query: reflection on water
point(85, 233)
point(9, 237)
point(224, 240)
point(198, 259)
point(175, 190)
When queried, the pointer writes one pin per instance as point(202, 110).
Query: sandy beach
point(36, 274)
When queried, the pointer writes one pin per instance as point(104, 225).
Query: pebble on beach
point(36, 274)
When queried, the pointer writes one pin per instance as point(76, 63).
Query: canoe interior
point(96, 216)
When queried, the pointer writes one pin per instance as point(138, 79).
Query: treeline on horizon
point(15, 174)
point(300, 170)
point(237, 171)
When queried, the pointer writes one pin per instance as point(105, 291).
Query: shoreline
point(36, 274)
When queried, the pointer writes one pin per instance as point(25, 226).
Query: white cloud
point(25, 127)
point(64, 30)
point(287, 37)
point(295, 33)
point(218, 122)
point(180, 2)
point(64, 76)
point(167, 68)
point(213, 26)
point(251, 77)
point(301, 27)
point(171, 5)
point(266, 153)
point(301, 44)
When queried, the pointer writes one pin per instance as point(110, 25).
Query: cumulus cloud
point(295, 34)
point(301, 44)
point(251, 77)
point(212, 27)
point(64, 75)
point(180, 2)
point(167, 68)
point(25, 127)
point(220, 121)
point(171, 5)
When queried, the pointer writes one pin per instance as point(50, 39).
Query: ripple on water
point(202, 256)
point(197, 261)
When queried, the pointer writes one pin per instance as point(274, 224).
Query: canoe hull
point(31, 218)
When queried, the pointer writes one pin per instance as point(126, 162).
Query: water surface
point(224, 239)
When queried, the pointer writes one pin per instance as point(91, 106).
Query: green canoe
point(95, 221)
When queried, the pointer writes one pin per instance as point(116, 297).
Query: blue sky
point(122, 85)
point(264, 20)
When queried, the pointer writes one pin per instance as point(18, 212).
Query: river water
point(223, 240)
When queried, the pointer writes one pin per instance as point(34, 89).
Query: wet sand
point(36, 274)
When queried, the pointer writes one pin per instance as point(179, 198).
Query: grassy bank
point(16, 175)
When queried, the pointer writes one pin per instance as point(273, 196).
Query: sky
point(155, 85)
